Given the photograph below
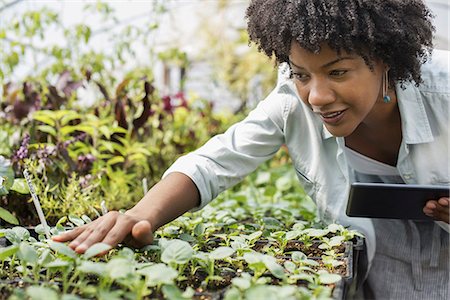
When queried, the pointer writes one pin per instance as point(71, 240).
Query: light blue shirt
point(318, 157)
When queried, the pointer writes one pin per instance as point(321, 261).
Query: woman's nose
point(320, 94)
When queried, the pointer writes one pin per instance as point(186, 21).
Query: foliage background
point(95, 124)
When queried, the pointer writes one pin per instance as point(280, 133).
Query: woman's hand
point(438, 210)
point(112, 229)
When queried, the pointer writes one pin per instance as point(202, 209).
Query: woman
point(359, 104)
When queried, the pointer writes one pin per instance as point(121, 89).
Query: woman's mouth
point(332, 118)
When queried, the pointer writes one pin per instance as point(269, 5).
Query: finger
point(95, 233)
point(441, 213)
point(444, 201)
point(68, 235)
point(141, 234)
point(430, 207)
point(80, 238)
point(117, 234)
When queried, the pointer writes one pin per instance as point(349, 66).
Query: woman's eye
point(299, 76)
point(338, 73)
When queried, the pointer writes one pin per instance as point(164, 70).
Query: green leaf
point(45, 116)
point(41, 293)
point(177, 251)
point(262, 178)
point(336, 240)
point(290, 235)
point(69, 115)
point(6, 175)
point(298, 256)
point(62, 249)
point(83, 128)
point(90, 267)
point(27, 253)
point(96, 249)
point(22, 233)
point(58, 263)
point(20, 186)
point(119, 268)
point(76, 220)
point(47, 129)
point(327, 278)
point(159, 274)
point(172, 292)
point(221, 253)
point(8, 251)
point(70, 297)
point(273, 266)
point(241, 283)
point(8, 217)
point(115, 160)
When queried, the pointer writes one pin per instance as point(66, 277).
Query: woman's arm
point(167, 200)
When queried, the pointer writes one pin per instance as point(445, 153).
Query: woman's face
point(341, 89)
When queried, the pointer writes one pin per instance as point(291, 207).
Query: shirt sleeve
point(227, 158)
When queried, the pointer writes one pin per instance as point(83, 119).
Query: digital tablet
point(392, 201)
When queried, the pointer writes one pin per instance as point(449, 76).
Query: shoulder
point(435, 73)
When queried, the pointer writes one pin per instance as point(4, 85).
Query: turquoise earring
point(386, 98)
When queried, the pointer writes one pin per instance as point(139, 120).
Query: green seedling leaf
point(303, 276)
point(22, 233)
point(335, 228)
point(8, 251)
point(199, 229)
point(221, 253)
point(76, 220)
point(284, 183)
point(316, 233)
point(242, 283)
point(70, 297)
point(96, 249)
point(336, 240)
point(45, 257)
point(61, 221)
point(177, 251)
point(58, 263)
point(327, 278)
point(41, 293)
point(20, 186)
point(232, 294)
point(27, 253)
point(159, 274)
point(8, 217)
point(172, 292)
point(86, 219)
point(171, 230)
point(255, 235)
point(119, 268)
point(290, 235)
point(298, 256)
point(290, 266)
point(90, 267)
point(271, 264)
point(187, 237)
point(62, 249)
point(262, 178)
point(298, 226)
point(261, 292)
point(39, 229)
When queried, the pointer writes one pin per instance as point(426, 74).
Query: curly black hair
point(399, 32)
